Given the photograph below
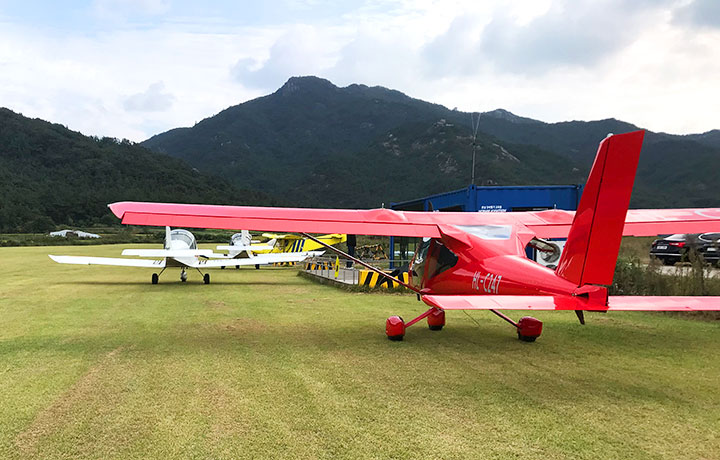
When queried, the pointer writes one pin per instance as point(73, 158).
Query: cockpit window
point(488, 232)
point(422, 251)
point(445, 259)
point(418, 263)
point(185, 236)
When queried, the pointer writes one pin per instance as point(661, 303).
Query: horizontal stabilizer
point(616, 303)
point(168, 252)
point(78, 260)
point(260, 259)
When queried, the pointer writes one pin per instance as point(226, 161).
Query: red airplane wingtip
point(118, 208)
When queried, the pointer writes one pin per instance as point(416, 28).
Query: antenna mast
point(475, 125)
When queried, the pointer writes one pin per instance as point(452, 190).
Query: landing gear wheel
point(155, 278)
point(206, 278)
point(257, 266)
point(395, 328)
point(183, 277)
point(237, 267)
point(436, 320)
point(222, 268)
point(529, 328)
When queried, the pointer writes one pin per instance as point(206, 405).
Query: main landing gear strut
point(528, 328)
point(183, 276)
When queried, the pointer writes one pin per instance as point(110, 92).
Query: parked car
point(676, 248)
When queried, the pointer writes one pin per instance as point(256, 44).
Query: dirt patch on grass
point(245, 325)
point(50, 419)
point(217, 305)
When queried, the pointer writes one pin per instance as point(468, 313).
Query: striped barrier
point(319, 266)
point(373, 279)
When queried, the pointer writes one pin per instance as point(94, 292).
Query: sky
point(134, 68)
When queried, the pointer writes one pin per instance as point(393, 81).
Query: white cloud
point(302, 50)
point(644, 61)
point(152, 99)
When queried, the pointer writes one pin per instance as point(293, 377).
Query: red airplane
point(476, 261)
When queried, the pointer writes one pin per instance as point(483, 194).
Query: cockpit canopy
point(241, 239)
point(183, 237)
point(431, 258)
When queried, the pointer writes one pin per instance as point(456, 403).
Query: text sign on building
point(492, 208)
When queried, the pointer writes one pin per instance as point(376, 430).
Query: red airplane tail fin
point(593, 242)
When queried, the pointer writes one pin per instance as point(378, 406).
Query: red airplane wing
point(638, 222)
point(545, 224)
point(618, 303)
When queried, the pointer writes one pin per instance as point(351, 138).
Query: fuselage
point(482, 265)
point(180, 239)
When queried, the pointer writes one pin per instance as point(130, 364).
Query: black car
point(676, 248)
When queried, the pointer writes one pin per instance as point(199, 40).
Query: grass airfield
point(95, 362)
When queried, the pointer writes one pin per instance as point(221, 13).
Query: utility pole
point(475, 125)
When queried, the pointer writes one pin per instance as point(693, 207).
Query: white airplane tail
point(245, 239)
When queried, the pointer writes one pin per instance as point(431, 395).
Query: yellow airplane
point(287, 243)
point(295, 243)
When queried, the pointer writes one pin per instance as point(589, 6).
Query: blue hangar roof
point(498, 198)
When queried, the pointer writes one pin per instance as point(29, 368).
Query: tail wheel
point(529, 328)
point(395, 328)
point(436, 320)
point(155, 278)
point(206, 278)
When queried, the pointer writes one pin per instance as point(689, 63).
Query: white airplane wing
point(254, 247)
point(259, 259)
point(80, 260)
point(168, 252)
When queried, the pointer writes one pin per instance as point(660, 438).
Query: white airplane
point(242, 246)
point(181, 251)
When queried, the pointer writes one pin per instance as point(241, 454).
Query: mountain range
point(321, 145)
point(314, 144)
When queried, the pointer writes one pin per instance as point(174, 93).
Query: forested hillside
point(50, 175)
point(320, 145)
point(674, 171)
point(313, 144)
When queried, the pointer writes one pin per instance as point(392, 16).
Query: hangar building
point(490, 199)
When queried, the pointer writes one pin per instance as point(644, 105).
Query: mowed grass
point(95, 362)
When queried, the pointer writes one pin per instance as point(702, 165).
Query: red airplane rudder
point(593, 243)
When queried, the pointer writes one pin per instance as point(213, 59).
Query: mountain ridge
point(347, 146)
point(309, 122)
